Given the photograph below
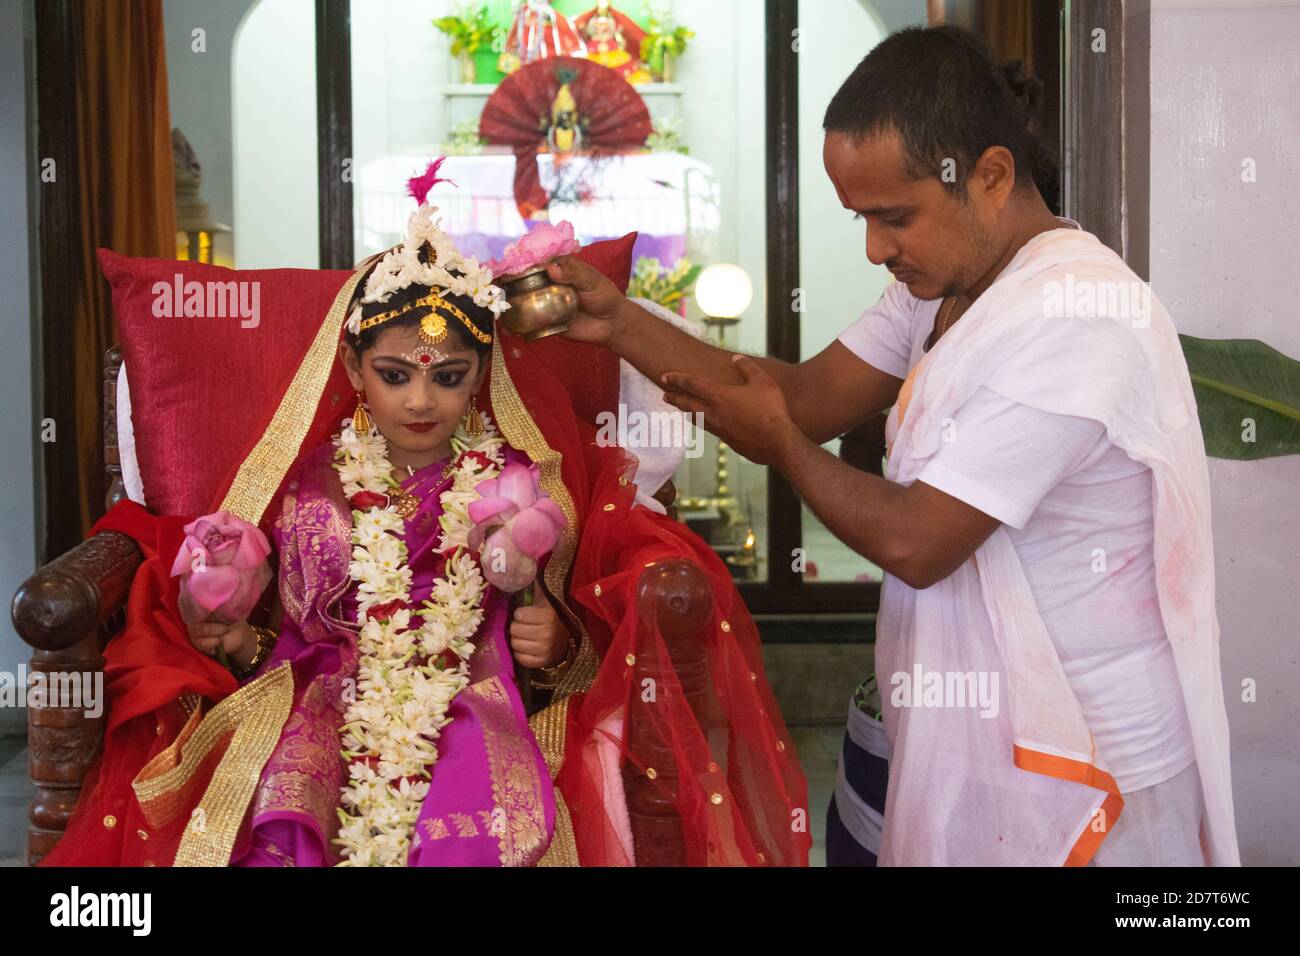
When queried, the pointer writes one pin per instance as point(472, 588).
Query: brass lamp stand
point(718, 516)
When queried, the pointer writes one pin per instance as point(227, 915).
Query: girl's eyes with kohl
point(392, 376)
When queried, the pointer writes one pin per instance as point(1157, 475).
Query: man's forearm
point(866, 512)
point(654, 347)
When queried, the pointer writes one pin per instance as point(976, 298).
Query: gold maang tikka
point(433, 332)
point(433, 327)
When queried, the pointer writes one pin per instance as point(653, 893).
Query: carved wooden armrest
point(65, 611)
point(74, 594)
point(676, 596)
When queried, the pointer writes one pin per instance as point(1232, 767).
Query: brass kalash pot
point(539, 306)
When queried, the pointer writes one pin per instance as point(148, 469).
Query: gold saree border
point(256, 713)
point(549, 724)
point(516, 780)
point(275, 452)
point(160, 800)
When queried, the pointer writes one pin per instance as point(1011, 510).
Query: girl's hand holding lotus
point(223, 569)
point(538, 638)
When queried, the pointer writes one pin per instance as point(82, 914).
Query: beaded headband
point(433, 327)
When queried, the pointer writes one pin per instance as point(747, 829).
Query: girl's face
point(402, 394)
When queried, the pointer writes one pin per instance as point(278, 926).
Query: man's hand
point(751, 417)
point(600, 304)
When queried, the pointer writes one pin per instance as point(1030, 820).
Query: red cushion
point(203, 389)
point(589, 373)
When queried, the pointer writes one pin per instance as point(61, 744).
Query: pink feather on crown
point(418, 187)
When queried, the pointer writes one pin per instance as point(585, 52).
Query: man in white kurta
point(1047, 649)
point(1053, 430)
point(1078, 514)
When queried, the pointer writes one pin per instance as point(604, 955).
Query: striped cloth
point(856, 815)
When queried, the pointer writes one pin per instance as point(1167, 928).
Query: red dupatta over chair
point(668, 671)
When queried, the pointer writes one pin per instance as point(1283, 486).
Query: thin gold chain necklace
point(948, 315)
point(934, 340)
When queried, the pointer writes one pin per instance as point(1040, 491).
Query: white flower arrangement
point(403, 696)
point(447, 269)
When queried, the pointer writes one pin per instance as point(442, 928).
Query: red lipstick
point(421, 426)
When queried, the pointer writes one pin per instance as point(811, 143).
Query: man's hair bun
point(1027, 90)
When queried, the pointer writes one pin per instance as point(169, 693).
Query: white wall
point(277, 216)
point(199, 95)
point(400, 65)
point(199, 90)
point(838, 282)
point(20, 426)
point(247, 104)
point(1223, 260)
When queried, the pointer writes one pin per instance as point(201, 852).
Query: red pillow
point(589, 373)
point(203, 389)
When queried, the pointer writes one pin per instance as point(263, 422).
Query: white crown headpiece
point(447, 271)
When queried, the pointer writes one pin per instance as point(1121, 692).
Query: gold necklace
point(948, 315)
point(407, 503)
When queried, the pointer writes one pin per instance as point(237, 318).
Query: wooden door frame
point(59, 255)
point(334, 168)
point(1093, 109)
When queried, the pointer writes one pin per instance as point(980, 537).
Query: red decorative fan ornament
point(568, 106)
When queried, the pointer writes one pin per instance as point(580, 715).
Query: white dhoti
point(1024, 783)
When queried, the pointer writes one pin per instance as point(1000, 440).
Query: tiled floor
point(818, 748)
point(819, 753)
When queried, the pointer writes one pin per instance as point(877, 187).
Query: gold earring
point(473, 420)
point(360, 420)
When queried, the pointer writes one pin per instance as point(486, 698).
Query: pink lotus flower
point(515, 523)
point(223, 564)
point(544, 243)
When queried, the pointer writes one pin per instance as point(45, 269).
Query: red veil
point(718, 755)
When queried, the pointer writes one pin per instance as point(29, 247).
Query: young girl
point(425, 776)
point(378, 719)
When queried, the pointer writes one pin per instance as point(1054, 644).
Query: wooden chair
point(70, 608)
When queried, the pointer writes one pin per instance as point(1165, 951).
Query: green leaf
point(1240, 381)
point(691, 276)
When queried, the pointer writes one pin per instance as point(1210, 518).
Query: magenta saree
point(490, 801)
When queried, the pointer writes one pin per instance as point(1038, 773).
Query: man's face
point(931, 240)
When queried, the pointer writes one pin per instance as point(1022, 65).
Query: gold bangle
point(551, 676)
point(266, 639)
